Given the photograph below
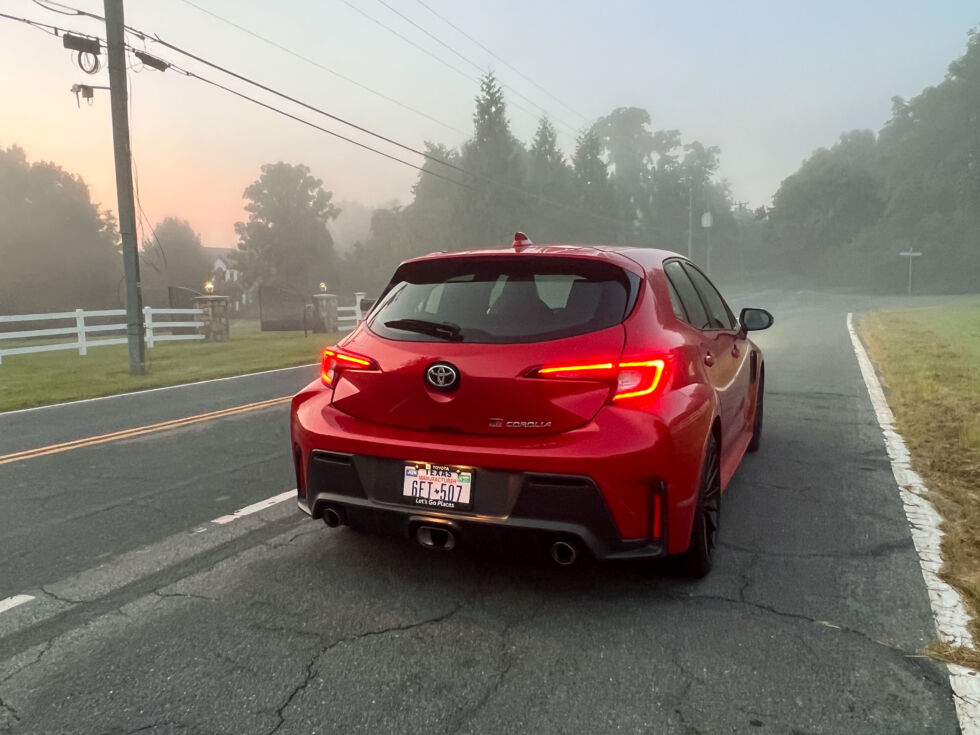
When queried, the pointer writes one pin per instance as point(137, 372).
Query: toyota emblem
point(442, 376)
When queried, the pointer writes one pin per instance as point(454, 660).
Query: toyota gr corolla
point(584, 399)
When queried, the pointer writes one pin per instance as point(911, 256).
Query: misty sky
point(767, 82)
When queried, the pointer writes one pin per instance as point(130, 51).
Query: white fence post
point(358, 295)
point(148, 325)
point(80, 325)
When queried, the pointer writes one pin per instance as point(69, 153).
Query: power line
point(156, 39)
point(472, 63)
point(500, 59)
point(410, 149)
point(49, 29)
point(313, 125)
point(327, 69)
point(142, 35)
point(425, 51)
point(360, 128)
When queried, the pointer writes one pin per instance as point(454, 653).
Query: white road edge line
point(255, 507)
point(947, 607)
point(155, 390)
point(12, 602)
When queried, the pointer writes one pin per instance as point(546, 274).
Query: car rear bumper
point(596, 483)
point(510, 508)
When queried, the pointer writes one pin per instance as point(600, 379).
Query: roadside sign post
point(910, 255)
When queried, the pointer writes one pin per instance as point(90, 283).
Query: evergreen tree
point(597, 223)
point(493, 207)
point(551, 180)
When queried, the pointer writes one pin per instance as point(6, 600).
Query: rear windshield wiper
point(443, 330)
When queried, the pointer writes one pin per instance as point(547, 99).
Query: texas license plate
point(437, 486)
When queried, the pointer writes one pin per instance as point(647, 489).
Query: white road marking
point(12, 602)
point(155, 390)
point(947, 607)
point(255, 507)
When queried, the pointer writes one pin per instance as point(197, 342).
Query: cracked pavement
point(810, 623)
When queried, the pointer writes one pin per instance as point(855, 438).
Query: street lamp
point(323, 287)
point(209, 287)
point(706, 221)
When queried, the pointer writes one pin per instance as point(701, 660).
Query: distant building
point(226, 278)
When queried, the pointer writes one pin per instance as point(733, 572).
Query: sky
point(767, 82)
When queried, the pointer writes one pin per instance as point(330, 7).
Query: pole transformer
point(118, 94)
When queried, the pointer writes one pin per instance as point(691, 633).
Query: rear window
point(502, 299)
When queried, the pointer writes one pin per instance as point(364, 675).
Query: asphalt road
point(148, 616)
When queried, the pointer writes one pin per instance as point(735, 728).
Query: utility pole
point(118, 94)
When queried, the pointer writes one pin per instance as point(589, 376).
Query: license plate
point(437, 486)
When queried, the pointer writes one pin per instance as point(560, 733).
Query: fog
point(821, 149)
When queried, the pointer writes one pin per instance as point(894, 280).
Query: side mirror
point(752, 320)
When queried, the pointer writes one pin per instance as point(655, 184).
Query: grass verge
point(929, 362)
point(54, 377)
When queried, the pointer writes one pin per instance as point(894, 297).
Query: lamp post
point(209, 287)
point(910, 255)
point(706, 221)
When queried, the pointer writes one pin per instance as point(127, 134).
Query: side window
point(718, 312)
point(675, 302)
point(696, 315)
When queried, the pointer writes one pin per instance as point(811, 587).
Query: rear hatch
point(457, 341)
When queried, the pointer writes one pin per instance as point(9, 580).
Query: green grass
point(929, 362)
point(54, 377)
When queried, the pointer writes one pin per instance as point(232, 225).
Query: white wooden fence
point(82, 329)
point(348, 317)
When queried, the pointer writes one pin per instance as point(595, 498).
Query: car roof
point(626, 256)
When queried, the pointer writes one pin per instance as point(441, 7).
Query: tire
point(756, 439)
point(696, 562)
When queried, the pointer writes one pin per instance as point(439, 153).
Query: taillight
point(637, 379)
point(334, 362)
point(629, 379)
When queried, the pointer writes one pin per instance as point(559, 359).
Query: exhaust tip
point(332, 517)
point(434, 537)
point(563, 553)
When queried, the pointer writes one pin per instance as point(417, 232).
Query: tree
point(628, 145)
point(844, 216)
point(173, 256)
point(833, 197)
point(492, 205)
point(285, 241)
point(58, 250)
point(597, 222)
point(551, 179)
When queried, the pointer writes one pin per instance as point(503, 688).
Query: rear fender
point(692, 410)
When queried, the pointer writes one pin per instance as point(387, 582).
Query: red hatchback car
point(581, 398)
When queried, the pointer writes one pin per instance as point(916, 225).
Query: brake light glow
point(633, 378)
point(569, 371)
point(333, 361)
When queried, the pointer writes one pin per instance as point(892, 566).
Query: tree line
point(841, 220)
point(624, 183)
point(850, 209)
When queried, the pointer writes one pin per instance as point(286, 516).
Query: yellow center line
point(139, 431)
